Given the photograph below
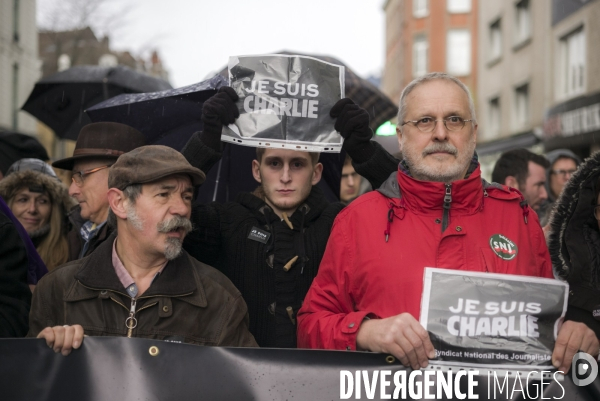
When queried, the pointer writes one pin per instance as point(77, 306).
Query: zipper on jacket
point(447, 203)
point(131, 321)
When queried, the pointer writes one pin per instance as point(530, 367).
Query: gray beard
point(173, 248)
point(134, 219)
point(449, 175)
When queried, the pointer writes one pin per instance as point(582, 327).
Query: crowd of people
point(126, 251)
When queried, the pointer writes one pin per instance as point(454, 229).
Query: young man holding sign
point(270, 242)
point(435, 211)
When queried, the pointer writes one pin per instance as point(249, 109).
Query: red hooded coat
point(381, 243)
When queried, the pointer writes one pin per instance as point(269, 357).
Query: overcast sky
point(196, 37)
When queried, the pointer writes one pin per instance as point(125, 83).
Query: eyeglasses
point(563, 172)
point(597, 212)
point(427, 124)
point(79, 176)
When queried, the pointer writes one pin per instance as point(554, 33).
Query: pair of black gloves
point(352, 123)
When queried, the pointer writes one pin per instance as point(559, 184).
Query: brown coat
point(189, 302)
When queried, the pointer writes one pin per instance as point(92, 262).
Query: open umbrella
point(168, 117)
point(59, 100)
point(234, 173)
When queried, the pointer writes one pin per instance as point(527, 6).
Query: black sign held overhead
point(494, 320)
point(285, 102)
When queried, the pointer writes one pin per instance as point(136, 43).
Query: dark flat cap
point(105, 140)
point(151, 163)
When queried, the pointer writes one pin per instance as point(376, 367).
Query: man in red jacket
point(436, 211)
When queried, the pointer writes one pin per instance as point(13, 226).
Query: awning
point(523, 140)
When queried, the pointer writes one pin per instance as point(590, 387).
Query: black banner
point(497, 320)
point(285, 102)
point(114, 368)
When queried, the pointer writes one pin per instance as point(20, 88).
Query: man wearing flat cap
point(98, 147)
point(139, 282)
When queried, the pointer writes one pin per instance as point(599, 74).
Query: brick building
point(429, 35)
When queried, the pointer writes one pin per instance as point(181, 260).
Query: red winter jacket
point(381, 243)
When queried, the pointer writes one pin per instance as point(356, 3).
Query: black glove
point(353, 124)
point(217, 111)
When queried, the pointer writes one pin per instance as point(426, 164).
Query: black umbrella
point(171, 117)
point(168, 117)
point(59, 100)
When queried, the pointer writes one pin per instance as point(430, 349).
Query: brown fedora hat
point(105, 140)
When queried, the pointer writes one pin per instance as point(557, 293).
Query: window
point(494, 117)
point(64, 62)
point(572, 64)
point(420, 8)
point(459, 6)
point(16, 20)
point(521, 105)
point(108, 60)
point(495, 40)
point(15, 97)
point(523, 21)
point(458, 53)
point(420, 47)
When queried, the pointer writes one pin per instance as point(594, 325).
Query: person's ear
point(256, 171)
point(116, 201)
point(511, 181)
point(317, 173)
point(399, 135)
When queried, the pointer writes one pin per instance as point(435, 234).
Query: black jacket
point(574, 243)
point(15, 295)
point(223, 237)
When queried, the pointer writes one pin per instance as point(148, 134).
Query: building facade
point(515, 79)
point(59, 50)
point(572, 119)
point(19, 64)
point(424, 36)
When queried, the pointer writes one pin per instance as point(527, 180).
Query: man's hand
point(352, 123)
point(217, 111)
point(63, 338)
point(401, 335)
point(573, 337)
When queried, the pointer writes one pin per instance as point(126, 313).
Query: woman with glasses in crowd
point(574, 242)
point(40, 201)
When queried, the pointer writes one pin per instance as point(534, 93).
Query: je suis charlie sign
point(285, 102)
point(497, 320)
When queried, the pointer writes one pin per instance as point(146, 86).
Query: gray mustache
point(440, 147)
point(174, 224)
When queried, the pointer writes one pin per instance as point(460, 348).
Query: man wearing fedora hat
point(98, 147)
point(140, 282)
